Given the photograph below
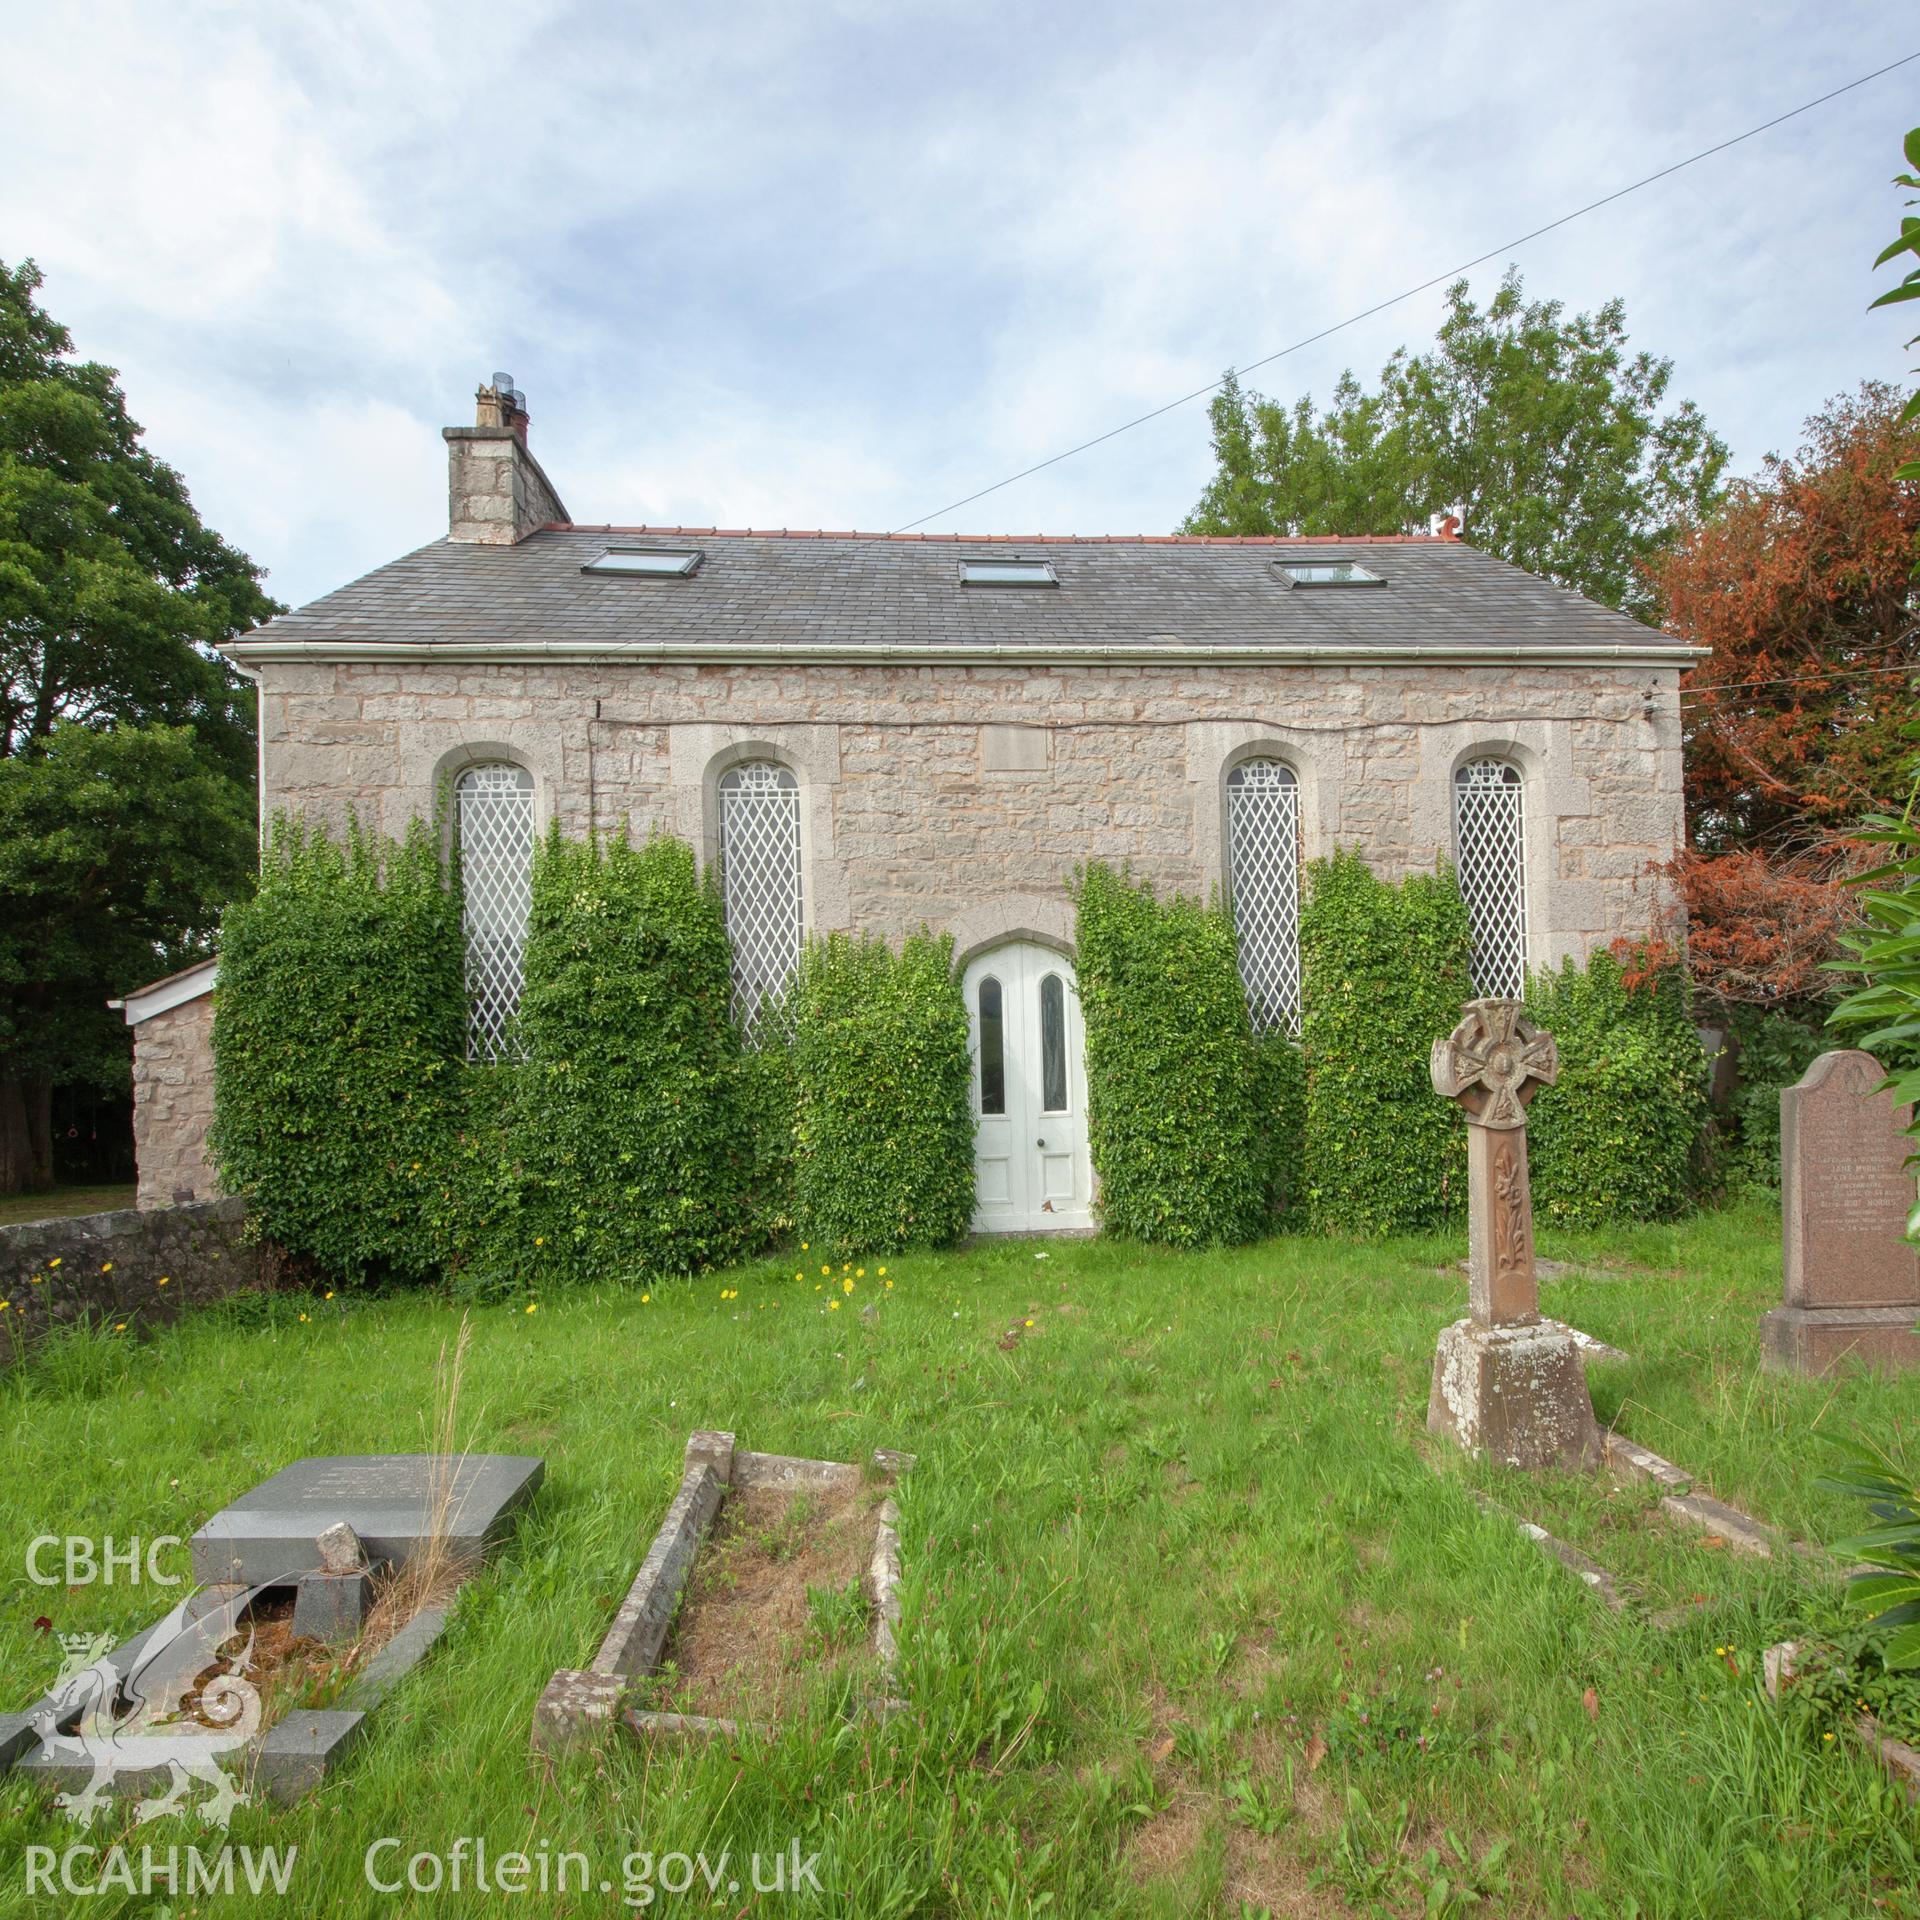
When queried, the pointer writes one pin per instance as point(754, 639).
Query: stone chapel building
point(869, 731)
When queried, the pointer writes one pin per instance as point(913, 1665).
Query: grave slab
point(388, 1499)
point(297, 1752)
point(1850, 1276)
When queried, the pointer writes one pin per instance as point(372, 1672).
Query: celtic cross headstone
point(1505, 1382)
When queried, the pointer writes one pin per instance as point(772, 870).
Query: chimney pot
point(496, 491)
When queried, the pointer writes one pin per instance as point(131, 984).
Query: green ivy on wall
point(623, 1148)
point(882, 1088)
point(1174, 1121)
point(339, 1035)
point(1618, 1136)
point(1385, 974)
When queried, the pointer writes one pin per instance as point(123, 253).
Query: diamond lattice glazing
point(760, 884)
point(494, 817)
point(1263, 859)
point(1490, 846)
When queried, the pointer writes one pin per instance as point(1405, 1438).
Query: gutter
point(1131, 653)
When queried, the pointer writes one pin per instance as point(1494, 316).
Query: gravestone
point(392, 1501)
point(1852, 1278)
point(1507, 1384)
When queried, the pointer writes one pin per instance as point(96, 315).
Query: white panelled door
point(1031, 1170)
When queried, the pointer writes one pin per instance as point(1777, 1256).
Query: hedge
point(1618, 1136)
point(623, 1148)
point(1173, 1096)
point(339, 1034)
point(1385, 975)
point(883, 1096)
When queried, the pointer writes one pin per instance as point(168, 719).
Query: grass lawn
point(1193, 1626)
point(63, 1203)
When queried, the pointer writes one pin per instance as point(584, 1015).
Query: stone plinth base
point(1514, 1394)
point(1816, 1339)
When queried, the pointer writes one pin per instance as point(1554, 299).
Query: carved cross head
point(1494, 1062)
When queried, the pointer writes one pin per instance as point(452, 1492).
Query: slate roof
point(798, 590)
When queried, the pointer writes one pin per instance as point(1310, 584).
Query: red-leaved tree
point(1801, 584)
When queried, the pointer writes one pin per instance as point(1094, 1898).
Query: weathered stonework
point(173, 1105)
point(919, 804)
point(129, 1266)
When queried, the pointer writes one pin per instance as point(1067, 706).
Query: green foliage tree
point(1174, 1088)
point(112, 596)
point(339, 1036)
point(1553, 436)
point(1617, 1137)
point(883, 1089)
point(117, 850)
point(619, 1147)
point(1386, 973)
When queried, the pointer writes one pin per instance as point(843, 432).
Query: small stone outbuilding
point(871, 731)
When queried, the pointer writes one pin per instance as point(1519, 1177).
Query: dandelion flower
point(859, 1273)
point(833, 1306)
point(846, 1286)
point(847, 1267)
point(54, 1262)
point(533, 1306)
point(1029, 1323)
point(303, 1317)
point(806, 1246)
point(826, 1269)
point(106, 1266)
point(1826, 1736)
point(889, 1286)
point(539, 1239)
point(163, 1280)
point(329, 1293)
point(881, 1271)
point(645, 1298)
point(120, 1326)
point(4, 1305)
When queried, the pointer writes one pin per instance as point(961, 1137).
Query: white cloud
point(837, 265)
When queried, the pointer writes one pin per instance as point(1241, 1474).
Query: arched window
point(1263, 880)
point(1490, 850)
point(493, 815)
point(760, 882)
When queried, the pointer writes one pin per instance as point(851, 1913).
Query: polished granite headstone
point(392, 1501)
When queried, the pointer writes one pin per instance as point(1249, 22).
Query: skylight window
point(658, 562)
point(1007, 573)
point(1329, 573)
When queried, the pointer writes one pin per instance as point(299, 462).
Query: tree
point(117, 848)
point(1546, 431)
point(113, 595)
point(1800, 583)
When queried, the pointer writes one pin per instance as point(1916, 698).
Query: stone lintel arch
point(1216, 747)
point(1046, 919)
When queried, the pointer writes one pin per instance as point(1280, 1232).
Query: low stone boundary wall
point(141, 1267)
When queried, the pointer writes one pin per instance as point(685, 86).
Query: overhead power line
point(1381, 306)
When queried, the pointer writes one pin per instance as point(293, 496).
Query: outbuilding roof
point(755, 594)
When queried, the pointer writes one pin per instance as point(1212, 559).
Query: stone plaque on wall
point(1852, 1278)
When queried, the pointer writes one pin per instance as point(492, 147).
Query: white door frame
point(1032, 1170)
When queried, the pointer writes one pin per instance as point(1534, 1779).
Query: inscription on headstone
point(1851, 1276)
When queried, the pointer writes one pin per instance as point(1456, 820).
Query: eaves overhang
point(971, 653)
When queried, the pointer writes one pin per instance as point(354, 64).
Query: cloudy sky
point(834, 265)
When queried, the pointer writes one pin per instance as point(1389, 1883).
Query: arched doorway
point(1032, 1173)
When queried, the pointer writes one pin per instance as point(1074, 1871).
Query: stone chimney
point(496, 492)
